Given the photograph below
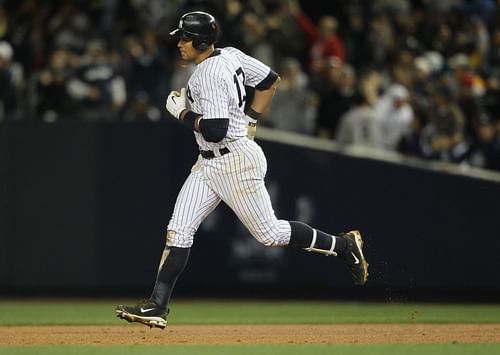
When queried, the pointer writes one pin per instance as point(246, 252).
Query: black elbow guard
point(214, 129)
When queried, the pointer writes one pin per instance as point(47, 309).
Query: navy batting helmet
point(199, 26)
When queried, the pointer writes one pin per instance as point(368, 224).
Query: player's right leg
point(194, 203)
point(270, 231)
point(347, 246)
point(245, 193)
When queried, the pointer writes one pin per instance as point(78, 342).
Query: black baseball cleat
point(353, 257)
point(146, 312)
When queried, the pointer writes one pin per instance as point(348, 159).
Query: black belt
point(209, 154)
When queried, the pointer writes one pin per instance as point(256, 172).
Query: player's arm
point(213, 130)
point(264, 93)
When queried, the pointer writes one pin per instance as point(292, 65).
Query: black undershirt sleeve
point(268, 81)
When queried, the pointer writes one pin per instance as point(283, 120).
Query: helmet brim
point(176, 32)
point(180, 33)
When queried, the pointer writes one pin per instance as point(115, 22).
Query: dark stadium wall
point(49, 220)
point(6, 215)
point(84, 209)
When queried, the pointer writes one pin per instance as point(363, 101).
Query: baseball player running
point(231, 166)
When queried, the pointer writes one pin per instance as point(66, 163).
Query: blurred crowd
point(419, 77)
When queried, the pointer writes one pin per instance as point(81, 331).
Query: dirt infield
point(252, 334)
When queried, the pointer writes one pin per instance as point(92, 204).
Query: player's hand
point(251, 127)
point(176, 102)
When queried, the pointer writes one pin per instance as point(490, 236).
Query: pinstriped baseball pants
point(236, 178)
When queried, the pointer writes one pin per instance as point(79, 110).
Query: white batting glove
point(251, 127)
point(176, 102)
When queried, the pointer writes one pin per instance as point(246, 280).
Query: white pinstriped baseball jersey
point(216, 90)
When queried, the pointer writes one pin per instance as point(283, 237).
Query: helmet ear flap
point(200, 44)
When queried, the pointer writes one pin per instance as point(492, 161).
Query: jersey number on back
point(240, 86)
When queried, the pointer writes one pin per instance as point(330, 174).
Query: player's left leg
point(194, 203)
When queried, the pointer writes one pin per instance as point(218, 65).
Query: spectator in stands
point(360, 125)
point(493, 58)
point(294, 105)
point(230, 16)
point(410, 143)
point(483, 9)
point(369, 84)
point(27, 32)
point(256, 39)
point(468, 88)
point(403, 69)
point(335, 96)
point(397, 114)
point(4, 22)
point(11, 77)
point(478, 42)
point(160, 15)
point(443, 137)
point(380, 42)
point(285, 35)
point(325, 42)
point(53, 102)
point(441, 37)
point(485, 150)
point(422, 68)
point(490, 99)
point(355, 36)
point(96, 87)
point(70, 27)
point(140, 109)
point(147, 67)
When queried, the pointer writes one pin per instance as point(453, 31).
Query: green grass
point(68, 312)
point(427, 349)
point(203, 312)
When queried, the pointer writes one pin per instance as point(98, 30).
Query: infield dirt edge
point(136, 334)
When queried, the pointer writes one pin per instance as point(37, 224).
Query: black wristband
point(253, 114)
point(190, 118)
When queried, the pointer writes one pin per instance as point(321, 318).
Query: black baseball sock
point(171, 266)
point(302, 236)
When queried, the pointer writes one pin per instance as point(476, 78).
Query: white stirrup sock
point(321, 251)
